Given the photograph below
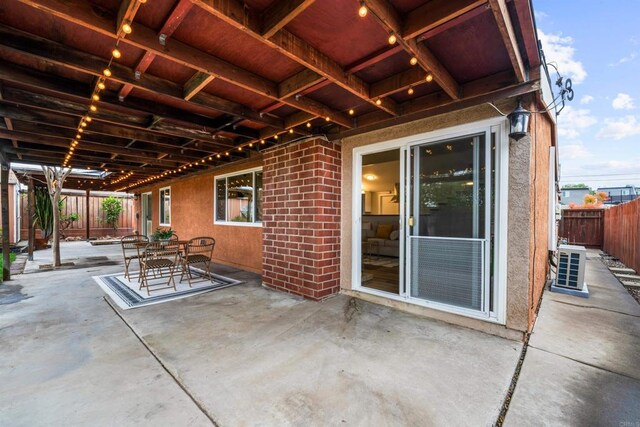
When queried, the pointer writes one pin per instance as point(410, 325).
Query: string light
point(378, 101)
point(101, 85)
point(392, 39)
point(87, 119)
point(308, 124)
point(413, 60)
point(93, 108)
point(327, 119)
point(275, 136)
point(362, 11)
point(291, 130)
point(351, 112)
point(106, 72)
point(262, 141)
point(410, 91)
point(429, 78)
point(116, 53)
point(126, 28)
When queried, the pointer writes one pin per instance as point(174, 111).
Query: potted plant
point(43, 217)
point(163, 234)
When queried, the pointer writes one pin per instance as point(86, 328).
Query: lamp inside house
point(519, 122)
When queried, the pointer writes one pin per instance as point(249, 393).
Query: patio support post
point(87, 216)
point(4, 199)
point(30, 213)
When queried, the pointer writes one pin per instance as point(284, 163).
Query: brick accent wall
point(301, 218)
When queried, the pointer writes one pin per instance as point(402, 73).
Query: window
point(567, 194)
point(165, 206)
point(238, 198)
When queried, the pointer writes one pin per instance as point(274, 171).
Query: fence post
point(30, 214)
point(4, 201)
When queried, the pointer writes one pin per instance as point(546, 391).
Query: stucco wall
point(192, 216)
point(519, 214)
point(542, 141)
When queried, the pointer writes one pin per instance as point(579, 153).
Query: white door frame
point(497, 125)
point(143, 217)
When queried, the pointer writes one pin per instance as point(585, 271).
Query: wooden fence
point(77, 203)
point(622, 233)
point(584, 227)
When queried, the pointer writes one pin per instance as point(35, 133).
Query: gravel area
point(610, 262)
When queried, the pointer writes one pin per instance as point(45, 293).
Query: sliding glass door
point(449, 226)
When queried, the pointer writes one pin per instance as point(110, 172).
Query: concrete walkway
point(237, 356)
point(582, 366)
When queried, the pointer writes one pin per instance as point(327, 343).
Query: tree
point(576, 186)
point(112, 208)
point(55, 180)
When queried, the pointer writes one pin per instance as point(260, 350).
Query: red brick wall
point(301, 218)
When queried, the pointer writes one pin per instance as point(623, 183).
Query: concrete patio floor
point(238, 356)
point(582, 365)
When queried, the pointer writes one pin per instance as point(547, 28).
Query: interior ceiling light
point(392, 39)
point(363, 10)
point(413, 60)
point(370, 177)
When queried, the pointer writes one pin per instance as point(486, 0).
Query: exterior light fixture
point(519, 122)
point(363, 10)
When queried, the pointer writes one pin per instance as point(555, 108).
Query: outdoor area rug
point(126, 295)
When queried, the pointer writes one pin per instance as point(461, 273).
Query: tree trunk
point(55, 180)
point(55, 245)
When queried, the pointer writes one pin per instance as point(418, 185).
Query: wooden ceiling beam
point(195, 84)
point(56, 53)
point(39, 82)
point(505, 26)
point(78, 110)
point(83, 14)
point(234, 13)
point(529, 34)
point(391, 21)
point(398, 82)
point(178, 13)
point(7, 121)
point(459, 19)
point(488, 89)
point(42, 117)
point(280, 13)
point(435, 13)
point(57, 141)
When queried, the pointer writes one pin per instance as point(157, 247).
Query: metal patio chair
point(159, 257)
point(131, 250)
point(198, 250)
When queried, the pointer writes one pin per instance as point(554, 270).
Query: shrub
point(112, 208)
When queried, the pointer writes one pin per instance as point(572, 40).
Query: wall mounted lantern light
point(519, 122)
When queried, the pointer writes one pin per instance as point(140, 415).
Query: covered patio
point(244, 355)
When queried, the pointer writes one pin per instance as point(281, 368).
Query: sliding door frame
point(495, 125)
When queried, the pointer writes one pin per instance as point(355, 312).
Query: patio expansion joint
point(587, 363)
point(596, 308)
point(164, 367)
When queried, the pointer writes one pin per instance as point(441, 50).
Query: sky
point(597, 45)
